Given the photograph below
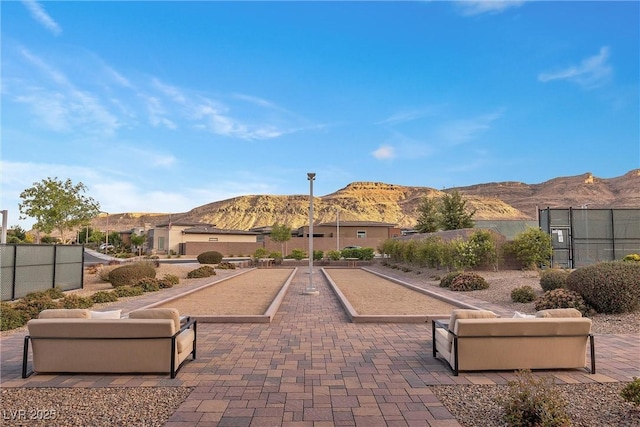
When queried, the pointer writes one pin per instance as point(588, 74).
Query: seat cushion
point(112, 314)
point(158, 313)
point(184, 340)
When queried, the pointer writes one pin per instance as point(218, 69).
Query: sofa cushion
point(113, 314)
point(64, 313)
point(158, 313)
point(559, 312)
point(461, 313)
point(184, 340)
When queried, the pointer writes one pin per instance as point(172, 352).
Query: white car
point(107, 247)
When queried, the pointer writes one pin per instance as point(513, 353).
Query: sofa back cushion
point(111, 314)
point(64, 313)
point(559, 312)
point(468, 314)
point(158, 313)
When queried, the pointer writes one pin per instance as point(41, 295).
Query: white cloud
point(592, 72)
point(384, 152)
point(461, 131)
point(479, 7)
point(406, 116)
point(39, 14)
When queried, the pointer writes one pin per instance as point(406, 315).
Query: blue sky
point(166, 106)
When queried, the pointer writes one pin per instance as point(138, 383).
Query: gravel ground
point(61, 407)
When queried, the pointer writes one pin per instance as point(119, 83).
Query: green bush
point(104, 296)
point(76, 301)
point(200, 272)
point(11, 317)
point(553, 279)
point(632, 258)
point(33, 303)
point(128, 274)
point(445, 282)
point(165, 284)
point(532, 248)
point(297, 254)
point(609, 287)
point(128, 291)
point(468, 281)
point(532, 401)
point(334, 255)
point(210, 257)
point(224, 265)
point(147, 284)
point(260, 253)
point(365, 254)
point(172, 278)
point(631, 392)
point(318, 255)
point(523, 294)
point(562, 298)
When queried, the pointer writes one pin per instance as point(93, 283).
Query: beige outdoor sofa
point(477, 340)
point(154, 340)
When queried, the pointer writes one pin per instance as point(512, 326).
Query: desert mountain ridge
point(397, 204)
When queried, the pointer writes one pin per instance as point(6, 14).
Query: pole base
point(311, 292)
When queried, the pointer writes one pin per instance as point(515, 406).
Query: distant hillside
point(374, 201)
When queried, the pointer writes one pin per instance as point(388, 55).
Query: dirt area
point(373, 295)
point(248, 294)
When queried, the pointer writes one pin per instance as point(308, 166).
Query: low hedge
point(128, 274)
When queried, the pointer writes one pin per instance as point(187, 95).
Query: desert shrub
point(165, 284)
point(562, 298)
point(33, 303)
point(632, 258)
point(128, 274)
point(445, 282)
point(468, 281)
point(103, 271)
point(334, 255)
point(532, 248)
point(200, 272)
point(76, 301)
point(172, 278)
point(297, 254)
point(318, 255)
point(147, 284)
point(55, 293)
point(128, 291)
point(532, 401)
point(479, 249)
point(210, 257)
point(104, 296)
point(92, 269)
point(430, 252)
point(631, 392)
point(12, 317)
point(225, 265)
point(260, 253)
point(523, 294)
point(609, 287)
point(553, 279)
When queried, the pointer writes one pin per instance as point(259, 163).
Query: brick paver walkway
point(312, 367)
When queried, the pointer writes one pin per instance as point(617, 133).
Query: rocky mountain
point(375, 201)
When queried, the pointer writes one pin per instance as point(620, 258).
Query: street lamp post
point(337, 229)
point(311, 290)
point(106, 236)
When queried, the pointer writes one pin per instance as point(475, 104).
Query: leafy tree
point(453, 212)
point(428, 217)
point(280, 233)
point(16, 235)
point(138, 240)
point(533, 248)
point(57, 205)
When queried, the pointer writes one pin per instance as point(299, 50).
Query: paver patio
point(312, 367)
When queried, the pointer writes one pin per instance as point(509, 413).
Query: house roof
point(184, 224)
point(214, 230)
point(357, 224)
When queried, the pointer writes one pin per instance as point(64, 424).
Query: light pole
point(337, 229)
point(311, 290)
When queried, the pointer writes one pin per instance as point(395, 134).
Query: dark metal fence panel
point(32, 268)
point(595, 235)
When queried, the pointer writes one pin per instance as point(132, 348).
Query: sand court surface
point(246, 294)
